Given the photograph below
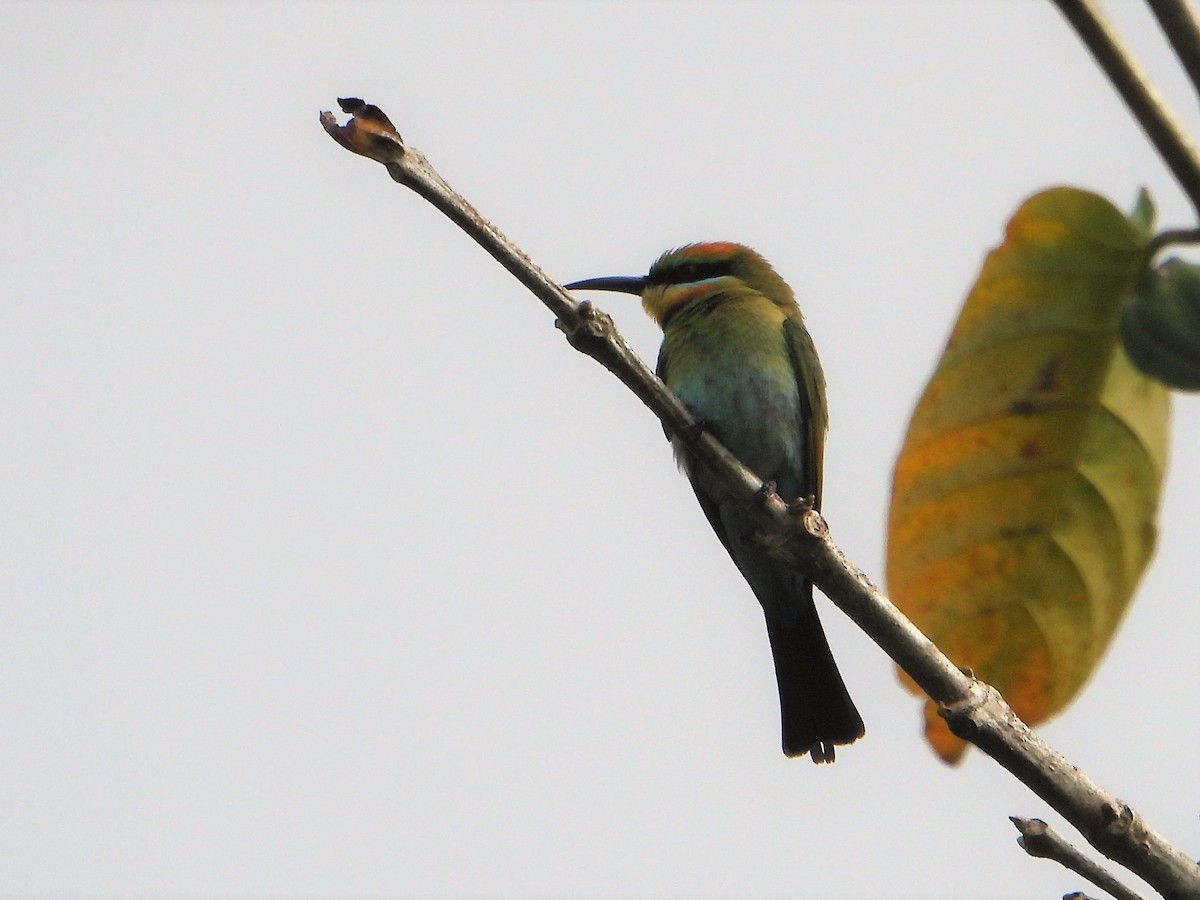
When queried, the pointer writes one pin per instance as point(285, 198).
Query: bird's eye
point(689, 272)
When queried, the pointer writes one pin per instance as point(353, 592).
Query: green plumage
point(736, 352)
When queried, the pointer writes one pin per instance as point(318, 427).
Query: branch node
point(811, 520)
point(1117, 817)
point(588, 325)
point(1033, 835)
point(570, 325)
point(960, 715)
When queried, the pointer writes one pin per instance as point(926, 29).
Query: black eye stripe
point(682, 273)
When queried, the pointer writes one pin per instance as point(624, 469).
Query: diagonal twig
point(1040, 840)
point(1179, 25)
point(1147, 106)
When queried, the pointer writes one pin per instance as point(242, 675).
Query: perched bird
point(735, 351)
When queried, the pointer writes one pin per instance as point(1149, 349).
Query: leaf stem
point(1170, 238)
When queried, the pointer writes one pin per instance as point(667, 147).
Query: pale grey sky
point(327, 568)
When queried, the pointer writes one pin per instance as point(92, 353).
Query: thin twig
point(369, 133)
point(1177, 19)
point(1170, 238)
point(1147, 106)
point(1039, 839)
point(974, 711)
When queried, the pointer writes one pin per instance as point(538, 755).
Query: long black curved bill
point(625, 284)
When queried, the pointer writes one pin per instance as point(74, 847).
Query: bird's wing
point(664, 362)
point(712, 509)
point(814, 414)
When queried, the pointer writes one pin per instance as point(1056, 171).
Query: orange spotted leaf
point(1025, 497)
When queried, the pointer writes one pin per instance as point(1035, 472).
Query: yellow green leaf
point(1025, 497)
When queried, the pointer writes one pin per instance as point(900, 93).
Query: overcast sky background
point(327, 568)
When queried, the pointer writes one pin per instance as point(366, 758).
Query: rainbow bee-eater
point(735, 351)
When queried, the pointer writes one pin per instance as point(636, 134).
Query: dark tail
point(815, 706)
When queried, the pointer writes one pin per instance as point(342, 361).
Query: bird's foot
point(802, 506)
point(692, 433)
point(766, 489)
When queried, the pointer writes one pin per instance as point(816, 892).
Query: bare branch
point(1178, 22)
point(1039, 839)
point(1170, 238)
point(1147, 106)
point(974, 711)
